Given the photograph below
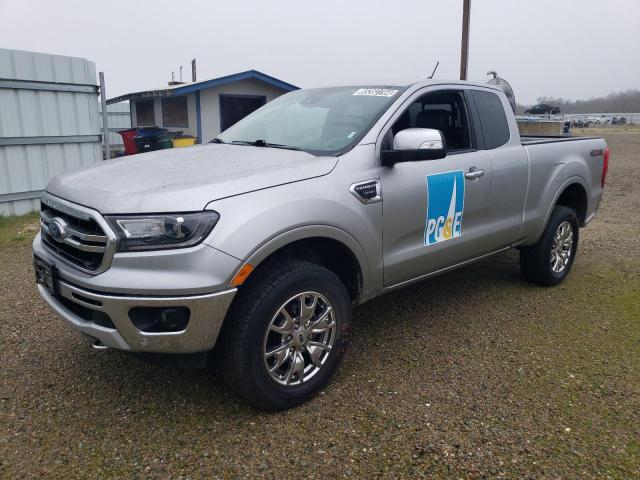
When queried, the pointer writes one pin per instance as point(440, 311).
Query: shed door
point(234, 108)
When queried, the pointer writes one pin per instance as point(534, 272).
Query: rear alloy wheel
point(562, 247)
point(549, 260)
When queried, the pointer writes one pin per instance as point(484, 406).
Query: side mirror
point(415, 145)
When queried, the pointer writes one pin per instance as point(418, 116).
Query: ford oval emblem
point(58, 229)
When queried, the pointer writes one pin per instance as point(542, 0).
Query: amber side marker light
point(242, 275)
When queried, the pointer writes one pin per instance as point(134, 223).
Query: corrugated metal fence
point(48, 123)
point(119, 118)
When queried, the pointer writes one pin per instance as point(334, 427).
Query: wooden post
point(464, 52)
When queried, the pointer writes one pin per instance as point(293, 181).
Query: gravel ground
point(476, 374)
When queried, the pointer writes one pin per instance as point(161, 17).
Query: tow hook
point(98, 345)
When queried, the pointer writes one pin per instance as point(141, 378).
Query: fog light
point(160, 319)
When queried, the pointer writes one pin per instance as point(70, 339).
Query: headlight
point(157, 232)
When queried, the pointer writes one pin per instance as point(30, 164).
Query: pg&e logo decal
point(445, 207)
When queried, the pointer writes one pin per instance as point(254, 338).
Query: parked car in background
point(543, 109)
point(598, 119)
point(250, 251)
point(580, 124)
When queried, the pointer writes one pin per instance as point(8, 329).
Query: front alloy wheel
point(299, 338)
point(286, 333)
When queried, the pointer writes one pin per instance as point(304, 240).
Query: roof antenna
point(434, 69)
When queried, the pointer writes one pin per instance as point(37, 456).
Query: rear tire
point(549, 261)
point(298, 309)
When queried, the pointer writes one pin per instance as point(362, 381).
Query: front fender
point(255, 225)
point(315, 231)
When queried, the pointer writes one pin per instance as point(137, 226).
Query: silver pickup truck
point(251, 250)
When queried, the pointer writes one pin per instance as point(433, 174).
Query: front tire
point(549, 261)
point(286, 334)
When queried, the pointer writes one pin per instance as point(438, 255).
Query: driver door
point(434, 211)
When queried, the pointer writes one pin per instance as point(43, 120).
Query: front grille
point(73, 235)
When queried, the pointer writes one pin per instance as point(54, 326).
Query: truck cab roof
point(437, 81)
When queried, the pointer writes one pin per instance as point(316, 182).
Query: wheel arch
point(571, 185)
point(324, 245)
point(574, 196)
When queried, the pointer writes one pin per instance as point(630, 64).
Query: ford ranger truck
point(251, 250)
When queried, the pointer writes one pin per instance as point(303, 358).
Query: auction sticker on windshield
point(445, 205)
point(376, 92)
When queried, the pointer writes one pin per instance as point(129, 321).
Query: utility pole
point(464, 52)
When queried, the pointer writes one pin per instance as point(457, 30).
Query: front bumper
point(100, 305)
point(207, 312)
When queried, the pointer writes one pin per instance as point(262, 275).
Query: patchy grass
point(602, 130)
point(18, 229)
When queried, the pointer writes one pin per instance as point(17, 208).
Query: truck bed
point(527, 140)
point(554, 160)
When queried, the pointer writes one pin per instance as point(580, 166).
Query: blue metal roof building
point(204, 109)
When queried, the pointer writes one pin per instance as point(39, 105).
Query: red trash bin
point(127, 138)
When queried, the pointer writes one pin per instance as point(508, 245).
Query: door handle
point(473, 173)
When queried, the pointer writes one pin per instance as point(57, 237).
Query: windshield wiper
point(262, 143)
point(217, 140)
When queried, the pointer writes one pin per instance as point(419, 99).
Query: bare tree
point(619, 102)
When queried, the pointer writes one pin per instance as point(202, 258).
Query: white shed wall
point(210, 104)
point(157, 102)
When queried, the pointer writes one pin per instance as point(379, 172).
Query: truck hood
point(182, 180)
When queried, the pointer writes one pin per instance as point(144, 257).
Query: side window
point(444, 111)
point(493, 120)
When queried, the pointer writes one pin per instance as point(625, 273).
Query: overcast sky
point(563, 48)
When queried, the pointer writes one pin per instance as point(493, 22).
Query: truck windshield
point(322, 121)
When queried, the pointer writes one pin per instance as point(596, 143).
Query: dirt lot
point(476, 374)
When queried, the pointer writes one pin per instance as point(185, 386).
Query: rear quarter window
point(493, 120)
